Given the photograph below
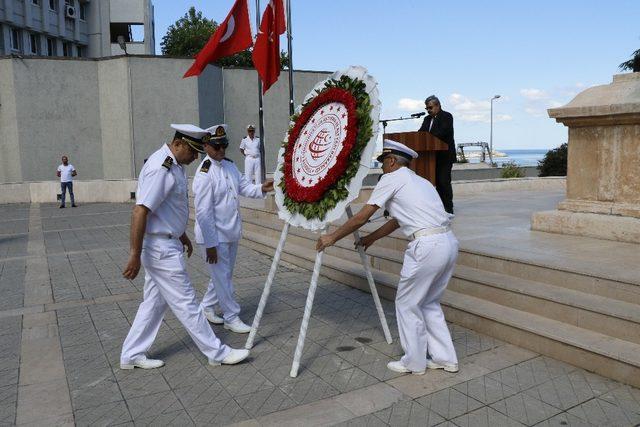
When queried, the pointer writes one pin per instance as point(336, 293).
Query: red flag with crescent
point(232, 36)
point(266, 51)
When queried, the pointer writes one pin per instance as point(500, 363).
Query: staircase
point(588, 321)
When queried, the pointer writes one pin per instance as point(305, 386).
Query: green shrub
point(511, 170)
point(554, 162)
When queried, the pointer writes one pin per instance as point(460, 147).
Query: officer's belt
point(160, 235)
point(430, 232)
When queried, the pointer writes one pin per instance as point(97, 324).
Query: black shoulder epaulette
point(228, 160)
point(167, 163)
point(205, 166)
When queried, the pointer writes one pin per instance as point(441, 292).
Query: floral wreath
point(315, 201)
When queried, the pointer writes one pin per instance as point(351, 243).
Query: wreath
point(311, 196)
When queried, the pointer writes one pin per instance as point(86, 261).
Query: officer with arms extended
point(160, 217)
point(216, 187)
point(428, 262)
point(250, 149)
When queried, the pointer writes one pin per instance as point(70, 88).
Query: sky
point(534, 54)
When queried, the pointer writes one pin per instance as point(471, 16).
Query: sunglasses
point(219, 146)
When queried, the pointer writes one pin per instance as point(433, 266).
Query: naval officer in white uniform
point(217, 186)
point(250, 149)
point(428, 264)
point(158, 238)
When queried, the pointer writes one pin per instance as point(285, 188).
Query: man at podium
point(440, 124)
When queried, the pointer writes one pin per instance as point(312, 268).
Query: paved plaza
point(65, 310)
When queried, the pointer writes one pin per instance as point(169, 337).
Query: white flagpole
point(260, 106)
point(290, 54)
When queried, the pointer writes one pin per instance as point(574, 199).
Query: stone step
point(594, 351)
point(387, 255)
point(599, 314)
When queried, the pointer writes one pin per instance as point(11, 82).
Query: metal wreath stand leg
point(310, 296)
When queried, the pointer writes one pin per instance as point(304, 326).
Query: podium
point(426, 145)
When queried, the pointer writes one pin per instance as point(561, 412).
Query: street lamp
point(491, 131)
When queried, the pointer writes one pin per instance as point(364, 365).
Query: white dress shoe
point(213, 317)
point(238, 326)
point(397, 366)
point(449, 367)
point(234, 356)
point(142, 363)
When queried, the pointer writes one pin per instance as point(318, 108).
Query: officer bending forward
point(160, 216)
point(428, 261)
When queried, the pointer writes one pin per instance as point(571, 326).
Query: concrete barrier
point(111, 191)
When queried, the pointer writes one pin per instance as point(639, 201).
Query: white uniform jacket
point(163, 189)
point(216, 187)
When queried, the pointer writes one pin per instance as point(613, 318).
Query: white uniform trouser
point(252, 169)
point(427, 267)
point(166, 283)
point(220, 289)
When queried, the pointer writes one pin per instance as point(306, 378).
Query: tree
point(632, 64)
point(191, 32)
point(554, 162)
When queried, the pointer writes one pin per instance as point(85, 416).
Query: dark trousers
point(63, 187)
point(443, 183)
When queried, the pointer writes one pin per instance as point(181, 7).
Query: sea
point(520, 157)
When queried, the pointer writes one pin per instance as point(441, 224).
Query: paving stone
point(349, 379)
point(601, 412)
point(626, 397)
point(152, 405)
point(176, 418)
point(95, 393)
point(525, 409)
point(265, 401)
point(409, 413)
point(205, 391)
point(222, 412)
point(326, 364)
point(139, 382)
point(308, 389)
point(240, 379)
point(114, 413)
point(449, 403)
point(363, 421)
point(565, 419)
point(485, 417)
point(485, 389)
point(567, 391)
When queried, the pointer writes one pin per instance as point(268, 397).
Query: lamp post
point(491, 131)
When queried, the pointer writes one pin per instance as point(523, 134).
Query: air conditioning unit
point(70, 11)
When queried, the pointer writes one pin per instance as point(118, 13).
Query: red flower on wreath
point(314, 193)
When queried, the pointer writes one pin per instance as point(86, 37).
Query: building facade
point(76, 28)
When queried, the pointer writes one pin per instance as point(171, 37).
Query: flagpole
point(290, 54)
point(263, 171)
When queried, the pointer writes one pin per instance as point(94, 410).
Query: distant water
point(520, 157)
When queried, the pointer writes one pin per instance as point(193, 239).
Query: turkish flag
point(266, 50)
point(232, 36)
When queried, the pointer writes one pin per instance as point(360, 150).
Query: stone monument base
point(609, 221)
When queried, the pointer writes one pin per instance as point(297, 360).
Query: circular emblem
point(319, 143)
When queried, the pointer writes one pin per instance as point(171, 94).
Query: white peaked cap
point(192, 131)
point(218, 131)
point(394, 147)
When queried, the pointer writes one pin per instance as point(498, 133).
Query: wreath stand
point(310, 296)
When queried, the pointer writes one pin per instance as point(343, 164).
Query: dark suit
point(442, 128)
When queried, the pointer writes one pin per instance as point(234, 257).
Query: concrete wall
point(241, 108)
point(10, 167)
point(106, 113)
point(57, 113)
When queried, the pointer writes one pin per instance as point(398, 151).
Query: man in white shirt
point(66, 172)
point(428, 262)
point(250, 149)
point(158, 239)
point(217, 186)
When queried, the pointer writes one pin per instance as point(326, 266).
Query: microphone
point(416, 115)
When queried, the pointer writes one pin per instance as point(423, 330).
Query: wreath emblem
point(324, 147)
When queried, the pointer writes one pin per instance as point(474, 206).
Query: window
point(83, 11)
point(36, 2)
point(80, 52)
point(34, 44)
point(69, 2)
point(66, 49)
point(15, 40)
point(51, 47)
point(53, 4)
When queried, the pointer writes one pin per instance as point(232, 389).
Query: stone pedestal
point(603, 175)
